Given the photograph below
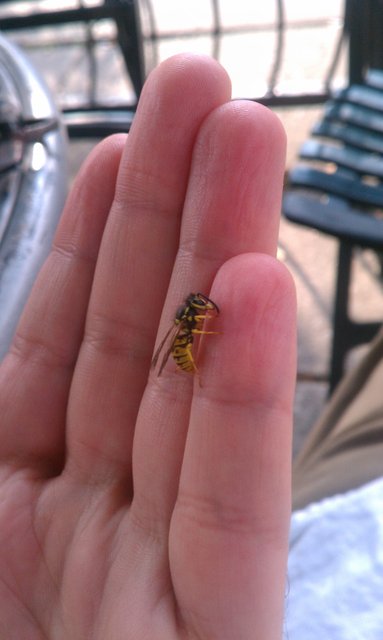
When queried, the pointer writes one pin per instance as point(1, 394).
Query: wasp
point(188, 322)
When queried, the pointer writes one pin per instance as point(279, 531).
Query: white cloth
point(335, 571)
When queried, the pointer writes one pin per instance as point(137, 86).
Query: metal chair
point(338, 189)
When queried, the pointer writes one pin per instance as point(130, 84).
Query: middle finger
point(135, 262)
point(232, 207)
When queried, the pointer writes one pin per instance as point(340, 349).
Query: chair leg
point(342, 327)
point(131, 42)
point(346, 333)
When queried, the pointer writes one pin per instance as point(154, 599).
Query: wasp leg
point(193, 364)
point(200, 331)
point(205, 333)
point(205, 316)
point(191, 359)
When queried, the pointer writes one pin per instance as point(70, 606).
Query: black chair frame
point(347, 202)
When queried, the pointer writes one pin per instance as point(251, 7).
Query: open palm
point(134, 506)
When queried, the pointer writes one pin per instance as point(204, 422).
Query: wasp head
point(201, 302)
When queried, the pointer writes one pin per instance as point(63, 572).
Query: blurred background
point(290, 55)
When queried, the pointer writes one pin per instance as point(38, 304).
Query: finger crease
point(30, 349)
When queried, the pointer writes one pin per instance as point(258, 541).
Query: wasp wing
point(169, 337)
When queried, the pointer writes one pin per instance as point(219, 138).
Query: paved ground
point(309, 255)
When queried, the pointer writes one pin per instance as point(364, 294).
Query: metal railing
point(139, 38)
point(149, 36)
point(217, 31)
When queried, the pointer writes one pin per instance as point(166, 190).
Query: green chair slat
point(353, 114)
point(333, 217)
point(340, 185)
point(374, 78)
point(351, 135)
point(355, 159)
point(362, 95)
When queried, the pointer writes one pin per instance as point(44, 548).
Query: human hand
point(152, 508)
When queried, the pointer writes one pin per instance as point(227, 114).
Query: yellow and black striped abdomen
point(181, 352)
point(188, 321)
